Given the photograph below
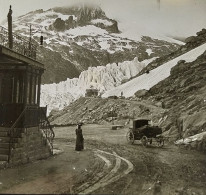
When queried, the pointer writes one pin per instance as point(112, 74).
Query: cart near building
point(143, 131)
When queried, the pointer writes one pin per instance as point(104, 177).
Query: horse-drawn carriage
point(142, 130)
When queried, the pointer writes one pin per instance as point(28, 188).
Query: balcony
point(20, 44)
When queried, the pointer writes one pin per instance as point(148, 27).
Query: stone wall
point(30, 147)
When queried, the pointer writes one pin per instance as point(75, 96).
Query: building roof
point(9, 56)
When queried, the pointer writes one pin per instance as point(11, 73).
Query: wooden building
point(25, 132)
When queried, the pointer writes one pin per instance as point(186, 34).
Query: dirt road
point(109, 165)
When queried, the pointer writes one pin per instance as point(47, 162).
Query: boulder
point(113, 28)
point(202, 32)
point(190, 39)
point(183, 49)
point(181, 62)
point(59, 24)
point(141, 93)
point(159, 104)
point(70, 23)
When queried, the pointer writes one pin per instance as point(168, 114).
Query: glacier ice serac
point(103, 78)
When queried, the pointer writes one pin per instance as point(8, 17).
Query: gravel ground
point(108, 165)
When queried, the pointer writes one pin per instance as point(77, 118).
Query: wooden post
point(30, 88)
point(30, 40)
point(39, 89)
point(25, 91)
point(14, 91)
point(21, 89)
point(17, 89)
point(25, 88)
point(34, 89)
point(1, 76)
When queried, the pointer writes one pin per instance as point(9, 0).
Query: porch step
point(7, 129)
point(4, 145)
point(3, 157)
point(4, 129)
point(3, 133)
point(4, 151)
point(7, 139)
point(3, 164)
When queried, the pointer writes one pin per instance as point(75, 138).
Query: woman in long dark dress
point(79, 139)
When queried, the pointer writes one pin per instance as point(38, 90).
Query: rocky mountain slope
point(190, 43)
point(105, 110)
point(79, 37)
point(183, 95)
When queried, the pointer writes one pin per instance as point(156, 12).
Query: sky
point(178, 18)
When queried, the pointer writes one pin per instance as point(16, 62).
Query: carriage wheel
point(130, 137)
point(144, 141)
point(160, 142)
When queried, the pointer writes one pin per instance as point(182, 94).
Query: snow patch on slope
point(105, 22)
point(146, 81)
point(149, 51)
point(88, 30)
point(189, 140)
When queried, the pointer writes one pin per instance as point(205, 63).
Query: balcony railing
point(20, 44)
point(10, 112)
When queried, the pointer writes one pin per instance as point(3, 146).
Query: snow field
point(146, 81)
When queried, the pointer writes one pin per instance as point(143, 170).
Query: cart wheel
point(130, 137)
point(144, 141)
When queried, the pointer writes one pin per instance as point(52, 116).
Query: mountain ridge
point(94, 41)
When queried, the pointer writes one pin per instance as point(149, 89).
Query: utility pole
point(30, 34)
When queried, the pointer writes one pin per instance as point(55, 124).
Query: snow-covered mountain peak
point(84, 25)
point(79, 37)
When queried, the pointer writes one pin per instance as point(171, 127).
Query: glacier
point(109, 80)
point(58, 95)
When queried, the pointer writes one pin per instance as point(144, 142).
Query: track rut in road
point(113, 175)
